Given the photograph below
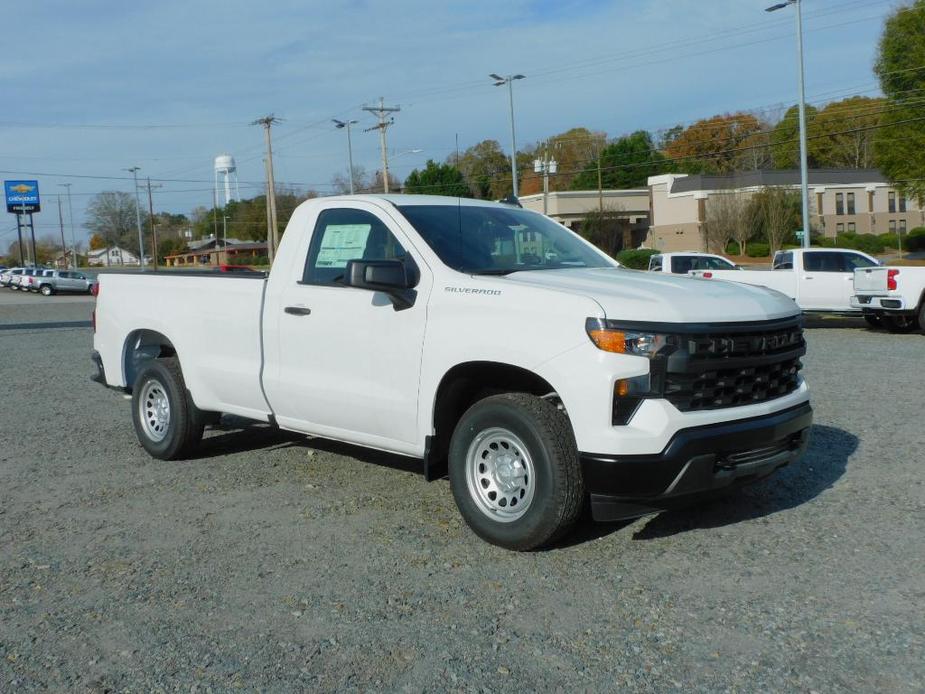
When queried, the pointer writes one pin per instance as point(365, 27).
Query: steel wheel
point(154, 410)
point(46, 290)
point(500, 475)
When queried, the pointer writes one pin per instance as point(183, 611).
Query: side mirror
point(392, 277)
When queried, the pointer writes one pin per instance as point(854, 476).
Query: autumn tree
point(572, 150)
point(844, 131)
point(711, 145)
point(899, 146)
point(785, 139)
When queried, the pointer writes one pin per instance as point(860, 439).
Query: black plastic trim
point(691, 461)
point(700, 328)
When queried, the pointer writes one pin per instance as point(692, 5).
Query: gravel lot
point(277, 563)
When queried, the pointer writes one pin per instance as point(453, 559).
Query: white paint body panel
point(358, 371)
point(872, 283)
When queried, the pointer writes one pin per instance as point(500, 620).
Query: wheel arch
point(462, 386)
point(140, 347)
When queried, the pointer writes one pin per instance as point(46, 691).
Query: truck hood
point(634, 295)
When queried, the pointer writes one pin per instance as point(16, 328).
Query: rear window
point(655, 263)
point(783, 261)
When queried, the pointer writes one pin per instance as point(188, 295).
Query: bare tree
point(361, 183)
point(111, 214)
point(608, 229)
point(779, 208)
point(727, 218)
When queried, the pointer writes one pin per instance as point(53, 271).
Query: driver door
point(348, 363)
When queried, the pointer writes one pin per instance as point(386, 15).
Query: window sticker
point(342, 242)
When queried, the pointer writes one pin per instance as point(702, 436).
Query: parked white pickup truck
point(817, 279)
point(475, 335)
point(894, 296)
point(684, 262)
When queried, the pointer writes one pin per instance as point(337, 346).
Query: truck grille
point(730, 369)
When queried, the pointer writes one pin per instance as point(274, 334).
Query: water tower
point(225, 173)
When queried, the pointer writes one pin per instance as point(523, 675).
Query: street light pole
point(804, 167)
point(508, 80)
point(346, 124)
point(141, 244)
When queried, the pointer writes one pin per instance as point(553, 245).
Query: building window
point(851, 227)
point(839, 203)
point(892, 226)
point(902, 226)
point(902, 203)
point(840, 227)
point(892, 201)
point(850, 203)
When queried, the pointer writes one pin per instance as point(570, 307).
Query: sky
point(93, 88)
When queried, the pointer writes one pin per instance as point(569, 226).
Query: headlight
point(612, 338)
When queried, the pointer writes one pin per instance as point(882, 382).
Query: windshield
point(498, 240)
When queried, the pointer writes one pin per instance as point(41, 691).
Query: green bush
point(247, 260)
point(732, 248)
point(758, 250)
point(890, 240)
point(867, 243)
point(915, 240)
point(636, 259)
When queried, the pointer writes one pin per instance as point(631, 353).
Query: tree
point(111, 214)
point(709, 145)
point(775, 212)
point(361, 182)
point(785, 139)
point(607, 229)
point(843, 133)
point(726, 219)
point(899, 146)
point(487, 170)
point(626, 163)
point(438, 179)
point(572, 150)
point(97, 242)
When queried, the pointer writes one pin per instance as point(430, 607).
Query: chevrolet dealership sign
point(22, 196)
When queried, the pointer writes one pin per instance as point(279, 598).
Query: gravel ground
point(277, 563)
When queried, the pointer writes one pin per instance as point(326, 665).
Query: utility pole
point(600, 183)
point(22, 258)
point(153, 226)
point(346, 124)
point(273, 232)
point(509, 80)
point(269, 218)
point(70, 216)
point(61, 226)
point(545, 166)
point(141, 244)
point(385, 120)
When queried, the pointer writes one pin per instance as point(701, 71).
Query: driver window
point(342, 235)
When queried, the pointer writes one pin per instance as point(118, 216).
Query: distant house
point(65, 260)
point(216, 251)
point(112, 255)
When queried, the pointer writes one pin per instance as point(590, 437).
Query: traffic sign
point(22, 196)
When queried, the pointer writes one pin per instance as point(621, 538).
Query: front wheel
point(514, 471)
point(46, 290)
point(167, 422)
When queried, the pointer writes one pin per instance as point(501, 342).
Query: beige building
point(569, 207)
point(841, 200)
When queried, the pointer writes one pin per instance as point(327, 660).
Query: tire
point(901, 324)
point(46, 290)
point(921, 315)
point(171, 432)
point(532, 443)
point(873, 320)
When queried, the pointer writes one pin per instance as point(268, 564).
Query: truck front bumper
point(696, 462)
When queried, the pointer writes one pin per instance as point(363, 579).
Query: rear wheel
point(901, 323)
point(167, 422)
point(873, 320)
point(514, 471)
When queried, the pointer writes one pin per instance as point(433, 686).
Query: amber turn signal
point(609, 340)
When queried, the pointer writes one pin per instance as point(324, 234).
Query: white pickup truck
point(895, 296)
point(477, 336)
point(681, 263)
point(818, 279)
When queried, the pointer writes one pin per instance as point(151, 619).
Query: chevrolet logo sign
point(22, 188)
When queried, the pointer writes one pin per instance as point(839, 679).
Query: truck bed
point(213, 320)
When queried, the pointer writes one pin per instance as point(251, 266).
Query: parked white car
point(481, 338)
point(683, 263)
point(894, 296)
point(818, 279)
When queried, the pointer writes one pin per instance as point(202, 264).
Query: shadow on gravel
point(813, 322)
point(825, 462)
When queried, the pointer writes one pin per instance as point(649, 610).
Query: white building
point(113, 255)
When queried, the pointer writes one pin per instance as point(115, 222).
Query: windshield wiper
point(493, 271)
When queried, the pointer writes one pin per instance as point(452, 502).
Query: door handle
point(297, 310)
point(807, 277)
